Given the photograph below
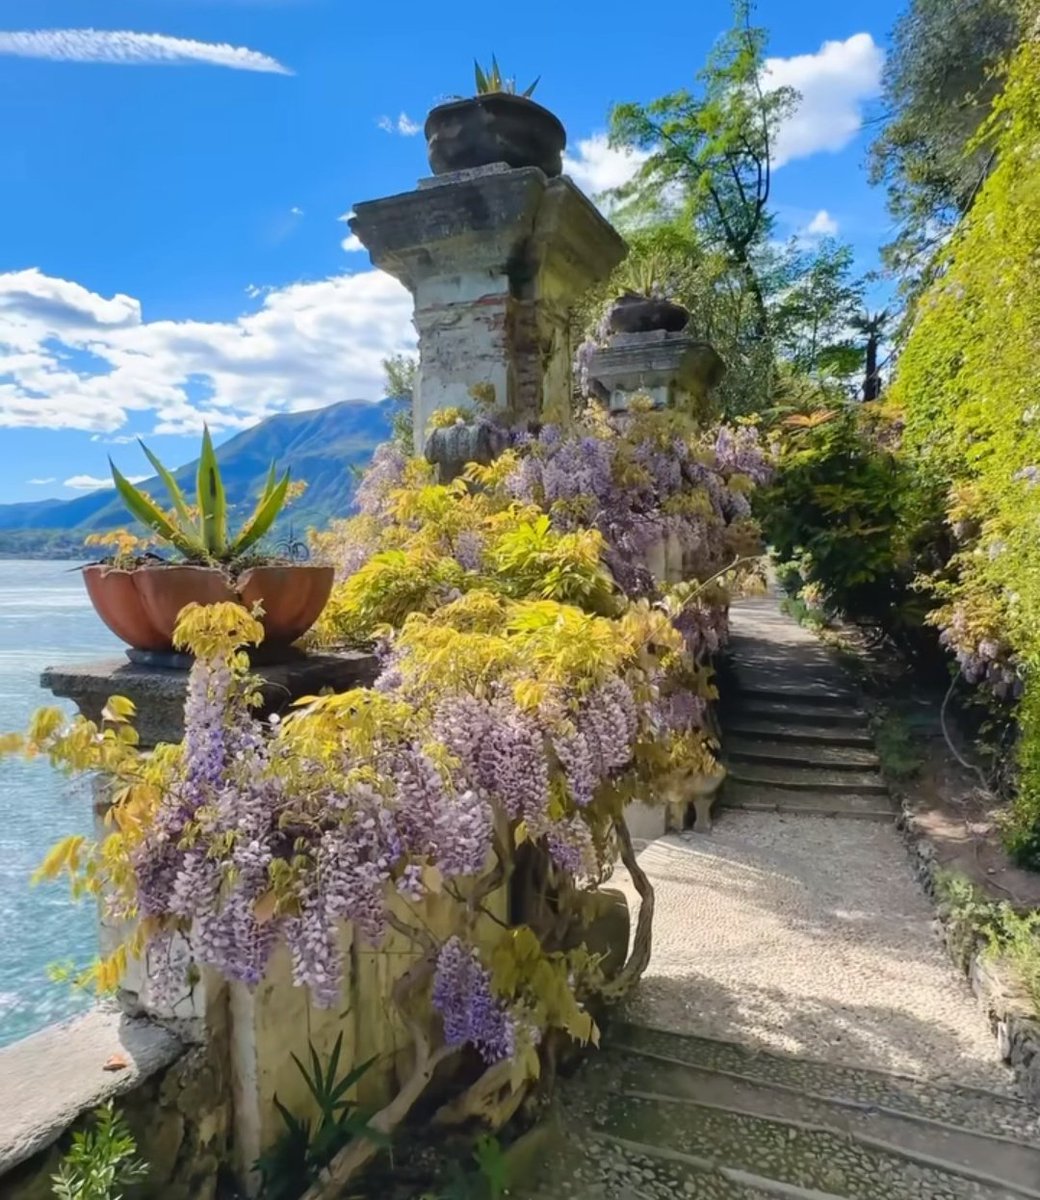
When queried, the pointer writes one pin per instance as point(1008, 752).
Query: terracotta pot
point(117, 602)
point(141, 606)
point(292, 598)
point(644, 314)
point(495, 128)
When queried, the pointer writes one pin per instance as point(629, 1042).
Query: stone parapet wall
point(175, 1098)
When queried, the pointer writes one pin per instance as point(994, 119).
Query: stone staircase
point(795, 737)
point(659, 1115)
point(799, 1033)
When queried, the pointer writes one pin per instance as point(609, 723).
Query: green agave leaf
point(180, 504)
point(269, 482)
point(212, 500)
point(144, 509)
point(482, 79)
point(263, 517)
point(530, 91)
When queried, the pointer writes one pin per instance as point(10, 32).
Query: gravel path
point(810, 936)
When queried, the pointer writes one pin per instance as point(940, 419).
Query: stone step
point(581, 1165)
point(805, 803)
point(755, 688)
point(793, 731)
point(963, 1150)
point(793, 1152)
point(811, 779)
point(800, 753)
point(983, 1111)
point(819, 713)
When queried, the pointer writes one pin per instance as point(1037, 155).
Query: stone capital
point(495, 259)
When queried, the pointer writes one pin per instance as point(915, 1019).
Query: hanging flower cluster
point(532, 680)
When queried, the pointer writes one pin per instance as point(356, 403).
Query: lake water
point(45, 619)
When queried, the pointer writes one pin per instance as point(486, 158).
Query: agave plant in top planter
point(140, 601)
point(497, 125)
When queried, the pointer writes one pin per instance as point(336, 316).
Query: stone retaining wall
point(1010, 1012)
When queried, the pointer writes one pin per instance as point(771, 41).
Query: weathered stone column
point(495, 259)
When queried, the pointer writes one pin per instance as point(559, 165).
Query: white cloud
point(352, 244)
point(834, 84)
point(71, 359)
point(597, 166)
point(90, 483)
point(404, 125)
point(43, 482)
point(822, 225)
point(296, 211)
point(124, 48)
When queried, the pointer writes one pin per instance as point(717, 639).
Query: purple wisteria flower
point(471, 1012)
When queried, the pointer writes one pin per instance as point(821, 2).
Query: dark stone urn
point(645, 314)
point(494, 128)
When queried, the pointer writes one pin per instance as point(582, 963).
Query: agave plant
point(201, 533)
point(491, 81)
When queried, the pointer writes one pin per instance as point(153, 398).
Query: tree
point(812, 317)
point(400, 375)
point(873, 326)
point(942, 77)
point(710, 153)
point(400, 372)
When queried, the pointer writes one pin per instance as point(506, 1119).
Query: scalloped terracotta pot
point(141, 606)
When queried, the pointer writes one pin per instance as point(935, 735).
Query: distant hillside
point(320, 447)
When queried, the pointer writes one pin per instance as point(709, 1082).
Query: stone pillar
point(495, 259)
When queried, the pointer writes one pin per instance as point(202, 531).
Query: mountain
point(319, 447)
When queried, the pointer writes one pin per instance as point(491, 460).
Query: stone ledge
point(159, 693)
point(48, 1080)
point(1011, 1015)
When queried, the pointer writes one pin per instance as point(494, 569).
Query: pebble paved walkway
point(800, 1031)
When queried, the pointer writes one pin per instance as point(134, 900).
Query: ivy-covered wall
point(967, 391)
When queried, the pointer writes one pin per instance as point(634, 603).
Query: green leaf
point(482, 80)
point(332, 1069)
point(212, 500)
point(264, 516)
point(529, 92)
point(144, 509)
point(353, 1077)
point(180, 504)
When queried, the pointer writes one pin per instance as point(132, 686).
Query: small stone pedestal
point(158, 693)
point(676, 370)
point(495, 259)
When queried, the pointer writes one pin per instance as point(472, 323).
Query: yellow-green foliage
point(966, 388)
point(412, 569)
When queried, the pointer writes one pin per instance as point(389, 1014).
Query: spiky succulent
point(201, 534)
point(491, 81)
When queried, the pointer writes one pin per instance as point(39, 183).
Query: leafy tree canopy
point(943, 74)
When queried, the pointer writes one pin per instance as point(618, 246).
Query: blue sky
point(174, 173)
